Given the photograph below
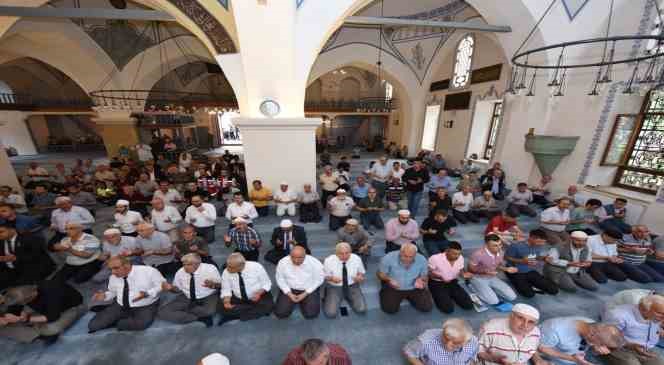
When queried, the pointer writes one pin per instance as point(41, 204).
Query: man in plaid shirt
point(454, 344)
point(244, 238)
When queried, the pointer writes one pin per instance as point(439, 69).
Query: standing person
point(241, 209)
point(245, 290)
point(260, 197)
point(519, 200)
point(299, 277)
point(370, 208)
point(244, 239)
point(434, 230)
point(606, 262)
point(485, 263)
point(329, 183)
point(339, 208)
point(462, 202)
point(445, 271)
point(526, 257)
point(403, 275)
point(380, 173)
point(81, 252)
point(415, 178)
point(165, 218)
point(554, 220)
point(344, 272)
point(202, 216)
point(454, 344)
point(309, 210)
point(395, 194)
point(315, 351)
point(567, 264)
point(126, 220)
point(400, 230)
point(286, 200)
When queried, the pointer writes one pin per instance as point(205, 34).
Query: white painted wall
point(14, 132)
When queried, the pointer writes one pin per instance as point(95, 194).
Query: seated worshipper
point(541, 191)
point(526, 257)
point(567, 264)
point(34, 172)
point(585, 218)
point(445, 271)
point(454, 344)
point(40, 311)
point(189, 242)
point(244, 239)
point(494, 181)
point(505, 226)
point(245, 290)
point(518, 200)
point(136, 290)
point(260, 197)
point(241, 209)
point(566, 340)
point(191, 189)
point(67, 212)
point(484, 264)
point(462, 202)
point(157, 249)
point(395, 194)
point(196, 284)
point(485, 206)
point(634, 249)
point(309, 210)
point(145, 186)
point(284, 238)
point(640, 324)
point(42, 201)
point(81, 198)
point(358, 239)
point(7, 196)
point(286, 200)
point(202, 216)
point(511, 340)
point(24, 224)
point(126, 220)
point(315, 351)
point(344, 272)
point(105, 174)
point(403, 275)
point(370, 208)
point(115, 244)
point(397, 171)
point(299, 277)
point(81, 251)
point(360, 189)
point(400, 230)
point(615, 217)
point(656, 259)
point(329, 183)
point(23, 260)
point(606, 262)
point(441, 201)
point(165, 218)
point(339, 207)
point(434, 230)
point(105, 193)
point(137, 201)
point(439, 180)
point(554, 220)
point(168, 194)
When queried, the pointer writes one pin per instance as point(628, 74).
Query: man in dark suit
point(23, 259)
point(284, 238)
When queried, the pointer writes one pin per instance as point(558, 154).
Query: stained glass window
point(463, 63)
point(490, 146)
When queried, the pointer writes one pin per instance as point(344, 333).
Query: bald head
point(297, 255)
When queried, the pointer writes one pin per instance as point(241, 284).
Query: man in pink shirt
point(400, 230)
point(445, 269)
point(485, 263)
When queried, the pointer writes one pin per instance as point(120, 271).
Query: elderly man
point(339, 207)
point(245, 290)
point(126, 220)
point(286, 200)
point(634, 249)
point(511, 340)
point(191, 243)
point(358, 239)
point(554, 220)
point(329, 183)
point(641, 326)
point(415, 178)
point(244, 239)
point(67, 212)
point(445, 271)
point(454, 344)
point(157, 249)
point(485, 263)
point(434, 230)
point(23, 260)
point(485, 206)
point(115, 244)
point(299, 277)
point(136, 290)
point(462, 202)
point(344, 272)
point(606, 262)
point(519, 200)
point(196, 284)
point(370, 208)
point(315, 351)
point(403, 275)
point(241, 209)
point(567, 264)
point(578, 200)
point(260, 197)
point(284, 238)
point(169, 195)
point(380, 173)
point(565, 340)
point(202, 216)
point(400, 230)
point(81, 251)
point(309, 210)
point(527, 257)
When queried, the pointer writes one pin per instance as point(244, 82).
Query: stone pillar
point(117, 128)
point(281, 149)
point(8, 176)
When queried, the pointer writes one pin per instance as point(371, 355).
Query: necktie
point(286, 244)
point(192, 288)
point(243, 289)
point(125, 294)
point(344, 281)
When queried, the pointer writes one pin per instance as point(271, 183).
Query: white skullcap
point(215, 359)
point(122, 202)
point(283, 183)
point(526, 310)
point(111, 231)
point(404, 212)
point(579, 234)
point(239, 220)
point(286, 223)
point(353, 222)
point(341, 191)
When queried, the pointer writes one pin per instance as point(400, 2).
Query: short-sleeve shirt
point(127, 243)
point(521, 251)
point(441, 228)
point(561, 334)
point(598, 247)
point(391, 266)
point(658, 246)
point(87, 243)
point(499, 222)
point(485, 262)
point(158, 241)
point(259, 197)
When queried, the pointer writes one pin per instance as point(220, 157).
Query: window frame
point(470, 65)
point(436, 124)
point(495, 122)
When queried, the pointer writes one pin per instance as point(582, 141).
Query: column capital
point(277, 124)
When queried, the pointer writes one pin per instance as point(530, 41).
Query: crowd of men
point(167, 214)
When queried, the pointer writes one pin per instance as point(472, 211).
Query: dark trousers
point(133, 319)
point(617, 224)
point(465, 217)
point(207, 233)
point(263, 211)
point(27, 276)
point(170, 268)
point(310, 306)
point(517, 210)
point(642, 273)
point(433, 246)
point(524, 283)
point(390, 299)
point(337, 222)
point(80, 274)
point(541, 201)
point(250, 255)
point(391, 246)
point(602, 271)
point(248, 310)
point(325, 196)
point(371, 218)
point(446, 294)
point(309, 213)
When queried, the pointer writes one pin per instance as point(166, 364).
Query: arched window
point(463, 62)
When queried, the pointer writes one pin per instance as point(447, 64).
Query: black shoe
point(49, 340)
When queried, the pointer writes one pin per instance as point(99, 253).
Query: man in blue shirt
point(22, 223)
point(403, 275)
point(527, 257)
point(360, 189)
point(439, 180)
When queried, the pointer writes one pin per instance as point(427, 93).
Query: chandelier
point(647, 68)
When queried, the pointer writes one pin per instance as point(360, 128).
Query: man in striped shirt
point(634, 249)
point(244, 238)
point(454, 344)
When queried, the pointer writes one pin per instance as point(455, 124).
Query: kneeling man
point(344, 272)
point(245, 290)
point(403, 275)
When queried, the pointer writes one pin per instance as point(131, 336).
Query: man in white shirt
point(462, 202)
point(518, 200)
point(285, 199)
point(196, 284)
point(165, 218)
point(380, 173)
point(7, 196)
point(245, 290)
point(202, 216)
point(136, 291)
point(36, 172)
point(554, 220)
point(115, 244)
point(170, 196)
point(126, 220)
point(606, 262)
point(241, 209)
point(344, 272)
point(340, 207)
point(67, 212)
point(144, 152)
point(299, 277)
point(81, 251)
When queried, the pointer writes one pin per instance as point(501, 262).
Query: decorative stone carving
point(208, 24)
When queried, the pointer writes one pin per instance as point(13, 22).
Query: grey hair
point(649, 300)
point(146, 225)
point(312, 349)
point(62, 199)
point(608, 335)
point(235, 259)
point(408, 246)
point(457, 328)
point(191, 258)
point(74, 224)
point(342, 245)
